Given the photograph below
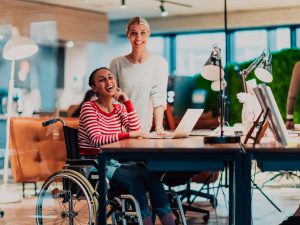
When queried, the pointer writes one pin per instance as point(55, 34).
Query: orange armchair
point(36, 151)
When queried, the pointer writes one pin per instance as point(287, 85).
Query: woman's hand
point(120, 96)
point(160, 130)
point(290, 125)
point(138, 133)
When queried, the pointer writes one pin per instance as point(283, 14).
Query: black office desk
point(272, 157)
point(187, 154)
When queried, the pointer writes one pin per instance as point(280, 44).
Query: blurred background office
point(74, 37)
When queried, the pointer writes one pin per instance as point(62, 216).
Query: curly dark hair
point(91, 78)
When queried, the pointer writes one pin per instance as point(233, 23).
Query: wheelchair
point(70, 197)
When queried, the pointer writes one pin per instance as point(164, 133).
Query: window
point(279, 38)
point(283, 38)
point(249, 44)
point(155, 45)
point(298, 37)
point(192, 51)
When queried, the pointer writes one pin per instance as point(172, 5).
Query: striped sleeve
point(96, 130)
point(129, 117)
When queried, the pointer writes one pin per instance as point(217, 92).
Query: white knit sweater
point(144, 83)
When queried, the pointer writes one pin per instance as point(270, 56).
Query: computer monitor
point(267, 101)
point(183, 88)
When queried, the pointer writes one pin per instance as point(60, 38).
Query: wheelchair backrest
point(71, 140)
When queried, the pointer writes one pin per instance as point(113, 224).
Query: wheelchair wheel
point(65, 198)
point(86, 184)
point(114, 213)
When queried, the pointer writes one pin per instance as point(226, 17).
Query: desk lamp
point(18, 47)
point(213, 71)
point(215, 85)
point(263, 69)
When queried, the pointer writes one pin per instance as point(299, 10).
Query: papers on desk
point(293, 137)
point(294, 132)
point(228, 131)
point(292, 141)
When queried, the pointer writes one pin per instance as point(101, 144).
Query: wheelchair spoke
point(65, 200)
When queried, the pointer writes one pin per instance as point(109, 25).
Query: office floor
point(282, 191)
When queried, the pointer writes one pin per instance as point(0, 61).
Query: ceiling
point(150, 8)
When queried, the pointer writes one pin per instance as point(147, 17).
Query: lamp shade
point(215, 86)
point(19, 47)
point(211, 69)
point(264, 72)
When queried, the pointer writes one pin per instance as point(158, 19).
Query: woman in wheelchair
point(103, 121)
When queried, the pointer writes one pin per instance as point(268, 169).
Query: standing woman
point(143, 76)
point(292, 96)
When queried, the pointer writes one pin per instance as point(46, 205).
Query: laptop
point(185, 126)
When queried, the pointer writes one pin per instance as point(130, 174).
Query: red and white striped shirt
point(97, 128)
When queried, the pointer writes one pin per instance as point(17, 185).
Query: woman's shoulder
point(88, 105)
point(119, 60)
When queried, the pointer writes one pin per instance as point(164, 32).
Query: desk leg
point(231, 193)
point(101, 217)
point(236, 192)
point(247, 196)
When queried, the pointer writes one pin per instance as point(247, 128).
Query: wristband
point(289, 116)
point(159, 128)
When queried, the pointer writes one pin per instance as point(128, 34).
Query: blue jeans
point(137, 180)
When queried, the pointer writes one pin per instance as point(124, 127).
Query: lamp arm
point(245, 72)
point(253, 65)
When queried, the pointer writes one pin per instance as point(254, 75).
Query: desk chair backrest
point(170, 118)
point(71, 140)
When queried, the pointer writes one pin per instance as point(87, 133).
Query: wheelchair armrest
point(83, 162)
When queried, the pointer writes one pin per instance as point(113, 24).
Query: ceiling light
point(164, 12)
point(70, 44)
point(123, 4)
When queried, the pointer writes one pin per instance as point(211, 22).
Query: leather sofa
point(37, 151)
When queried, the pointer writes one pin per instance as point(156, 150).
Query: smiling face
point(138, 35)
point(104, 83)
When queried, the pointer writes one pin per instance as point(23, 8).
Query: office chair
point(174, 179)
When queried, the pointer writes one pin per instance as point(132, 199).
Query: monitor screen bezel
point(266, 99)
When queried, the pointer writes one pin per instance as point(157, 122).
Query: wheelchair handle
point(52, 121)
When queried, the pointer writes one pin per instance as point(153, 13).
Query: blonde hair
point(137, 20)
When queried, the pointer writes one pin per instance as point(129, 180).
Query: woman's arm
point(93, 128)
point(292, 95)
point(130, 119)
point(158, 119)
point(159, 94)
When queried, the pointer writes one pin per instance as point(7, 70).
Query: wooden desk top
point(190, 144)
point(272, 148)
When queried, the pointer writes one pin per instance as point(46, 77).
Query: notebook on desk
point(296, 130)
point(185, 126)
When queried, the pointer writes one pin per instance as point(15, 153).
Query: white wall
point(212, 21)
point(81, 60)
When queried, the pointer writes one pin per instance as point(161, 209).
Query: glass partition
point(193, 50)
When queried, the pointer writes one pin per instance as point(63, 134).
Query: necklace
point(106, 109)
